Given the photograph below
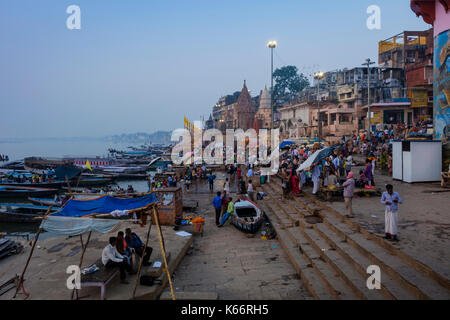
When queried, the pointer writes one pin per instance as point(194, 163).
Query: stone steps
point(346, 249)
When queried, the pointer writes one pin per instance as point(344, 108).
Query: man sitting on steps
point(111, 258)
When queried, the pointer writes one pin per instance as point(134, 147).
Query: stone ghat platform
point(46, 275)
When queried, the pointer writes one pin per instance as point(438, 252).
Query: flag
point(88, 165)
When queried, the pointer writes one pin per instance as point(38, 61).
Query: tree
point(288, 83)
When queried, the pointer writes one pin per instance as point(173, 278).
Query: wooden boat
point(54, 184)
point(22, 212)
point(41, 165)
point(9, 247)
point(16, 217)
point(247, 216)
point(14, 192)
point(45, 202)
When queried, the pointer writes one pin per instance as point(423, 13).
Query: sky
point(141, 65)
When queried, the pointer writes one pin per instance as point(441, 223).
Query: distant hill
point(159, 137)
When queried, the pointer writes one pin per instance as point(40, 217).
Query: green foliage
point(288, 82)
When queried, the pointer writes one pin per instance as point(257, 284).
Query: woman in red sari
point(295, 182)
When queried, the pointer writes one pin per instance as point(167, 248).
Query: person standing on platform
point(239, 172)
point(349, 188)
point(226, 186)
point(217, 203)
point(211, 178)
point(391, 200)
point(251, 191)
point(315, 178)
point(368, 172)
point(249, 173)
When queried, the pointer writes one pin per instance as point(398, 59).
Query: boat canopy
point(104, 205)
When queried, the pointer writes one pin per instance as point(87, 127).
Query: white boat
point(247, 216)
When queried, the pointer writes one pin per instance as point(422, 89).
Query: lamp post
point(318, 76)
point(272, 45)
point(368, 63)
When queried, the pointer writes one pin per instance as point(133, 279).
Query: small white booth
point(417, 160)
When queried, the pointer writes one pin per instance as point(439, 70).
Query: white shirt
point(111, 253)
point(227, 187)
point(386, 197)
point(250, 188)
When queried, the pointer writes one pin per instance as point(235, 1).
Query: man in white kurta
point(315, 177)
point(391, 200)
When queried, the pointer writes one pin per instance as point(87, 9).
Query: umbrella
point(317, 156)
point(286, 143)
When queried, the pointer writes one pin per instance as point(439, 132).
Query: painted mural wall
point(442, 86)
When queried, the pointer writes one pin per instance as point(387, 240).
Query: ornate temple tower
point(263, 116)
point(244, 112)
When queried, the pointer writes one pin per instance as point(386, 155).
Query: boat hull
point(248, 217)
point(15, 192)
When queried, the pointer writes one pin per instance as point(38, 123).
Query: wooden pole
point(31, 253)
point(163, 251)
point(78, 180)
point(84, 246)
point(68, 185)
point(142, 259)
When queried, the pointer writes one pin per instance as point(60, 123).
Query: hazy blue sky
point(140, 65)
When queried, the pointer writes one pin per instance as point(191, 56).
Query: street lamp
point(272, 45)
point(368, 63)
point(318, 76)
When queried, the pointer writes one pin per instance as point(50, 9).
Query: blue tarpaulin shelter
point(104, 204)
point(76, 217)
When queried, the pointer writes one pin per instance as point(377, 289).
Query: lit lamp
point(272, 45)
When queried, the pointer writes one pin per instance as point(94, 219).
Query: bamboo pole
point(142, 259)
point(163, 252)
point(84, 246)
point(68, 185)
point(78, 181)
point(31, 253)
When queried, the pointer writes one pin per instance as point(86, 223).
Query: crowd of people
point(15, 177)
point(335, 171)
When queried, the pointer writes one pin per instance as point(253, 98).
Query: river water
point(47, 148)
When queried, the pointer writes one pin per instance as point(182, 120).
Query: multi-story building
point(413, 52)
point(403, 48)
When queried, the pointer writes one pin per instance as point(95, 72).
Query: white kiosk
point(417, 160)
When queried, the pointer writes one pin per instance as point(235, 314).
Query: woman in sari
point(295, 183)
